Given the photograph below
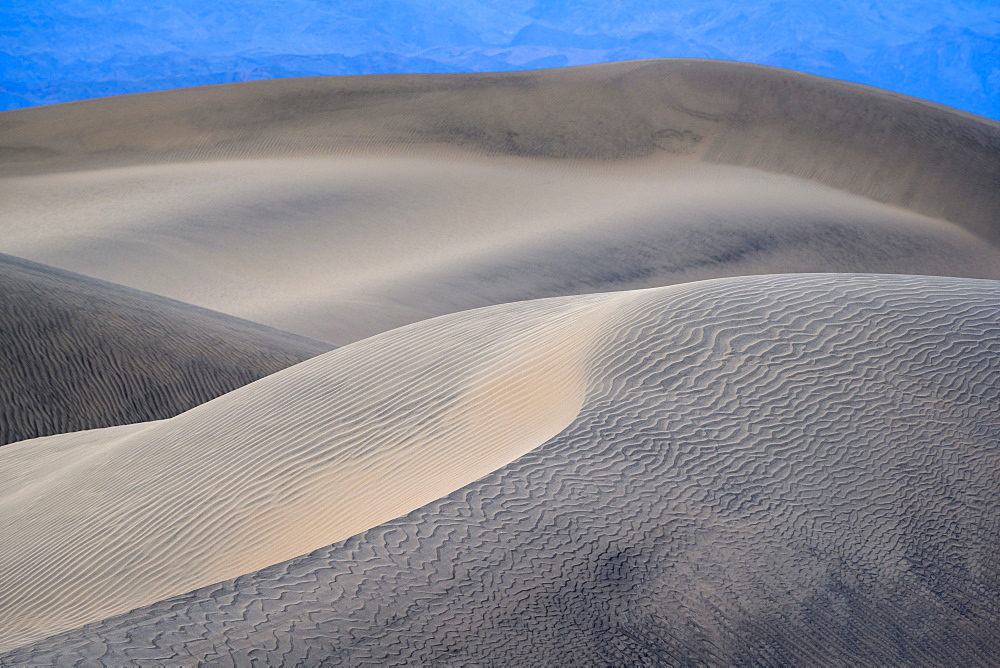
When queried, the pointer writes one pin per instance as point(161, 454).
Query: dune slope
point(78, 353)
point(341, 207)
point(103, 521)
point(753, 470)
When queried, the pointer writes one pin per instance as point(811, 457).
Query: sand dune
point(342, 207)
point(101, 522)
point(775, 466)
point(79, 353)
point(773, 469)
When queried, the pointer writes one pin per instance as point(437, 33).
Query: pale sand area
point(79, 353)
point(771, 470)
point(99, 522)
point(345, 206)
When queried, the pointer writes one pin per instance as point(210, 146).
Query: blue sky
point(61, 50)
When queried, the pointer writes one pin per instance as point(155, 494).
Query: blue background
point(61, 50)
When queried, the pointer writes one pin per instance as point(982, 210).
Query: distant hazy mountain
point(59, 50)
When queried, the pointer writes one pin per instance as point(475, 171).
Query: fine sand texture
point(792, 469)
point(340, 207)
point(78, 353)
point(99, 522)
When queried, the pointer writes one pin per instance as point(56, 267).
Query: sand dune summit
point(765, 469)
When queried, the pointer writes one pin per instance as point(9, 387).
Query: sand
point(341, 207)
point(764, 469)
point(609, 460)
point(78, 353)
point(126, 516)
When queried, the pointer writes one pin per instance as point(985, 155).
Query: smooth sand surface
point(341, 207)
point(78, 353)
point(777, 470)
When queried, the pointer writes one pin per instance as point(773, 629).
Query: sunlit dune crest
point(104, 521)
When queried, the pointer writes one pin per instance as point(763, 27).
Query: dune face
point(775, 469)
point(126, 516)
point(79, 353)
point(342, 207)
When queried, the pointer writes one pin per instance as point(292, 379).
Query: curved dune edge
point(771, 470)
point(113, 519)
